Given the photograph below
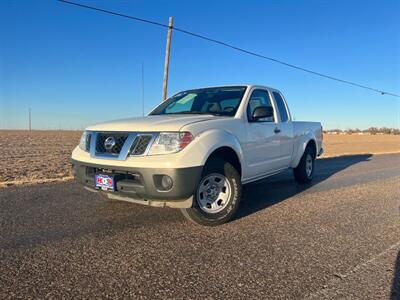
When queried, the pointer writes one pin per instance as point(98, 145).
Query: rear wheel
point(304, 172)
point(217, 195)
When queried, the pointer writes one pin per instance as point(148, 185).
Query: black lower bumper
point(141, 183)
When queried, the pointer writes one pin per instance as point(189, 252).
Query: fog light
point(166, 182)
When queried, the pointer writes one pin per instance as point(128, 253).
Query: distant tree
point(334, 130)
point(373, 130)
point(386, 130)
point(350, 131)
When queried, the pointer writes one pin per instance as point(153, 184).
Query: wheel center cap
point(213, 192)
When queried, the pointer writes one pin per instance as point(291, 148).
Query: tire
point(215, 202)
point(302, 173)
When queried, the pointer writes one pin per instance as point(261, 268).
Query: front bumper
point(141, 184)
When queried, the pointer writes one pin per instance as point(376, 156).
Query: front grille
point(140, 144)
point(119, 139)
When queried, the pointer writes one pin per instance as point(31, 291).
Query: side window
point(281, 106)
point(259, 98)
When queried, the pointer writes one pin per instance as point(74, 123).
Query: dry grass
point(44, 156)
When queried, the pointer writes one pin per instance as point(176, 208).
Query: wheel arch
point(305, 141)
point(226, 153)
point(313, 144)
point(224, 145)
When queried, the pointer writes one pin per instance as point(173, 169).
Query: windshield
point(222, 101)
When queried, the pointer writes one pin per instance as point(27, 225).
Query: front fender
point(210, 140)
point(300, 146)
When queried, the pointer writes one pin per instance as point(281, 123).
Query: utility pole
point(30, 120)
point(142, 90)
point(166, 64)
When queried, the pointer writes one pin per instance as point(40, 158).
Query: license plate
point(104, 182)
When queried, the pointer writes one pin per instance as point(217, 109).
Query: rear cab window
point(280, 103)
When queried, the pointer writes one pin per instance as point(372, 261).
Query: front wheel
point(217, 195)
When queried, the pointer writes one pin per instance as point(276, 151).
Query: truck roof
point(238, 84)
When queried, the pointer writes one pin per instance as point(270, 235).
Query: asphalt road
point(339, 238)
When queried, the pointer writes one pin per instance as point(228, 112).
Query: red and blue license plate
point(104, 182)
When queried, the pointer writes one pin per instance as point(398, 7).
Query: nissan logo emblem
point(109, 143)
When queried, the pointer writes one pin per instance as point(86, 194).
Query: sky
point(74, 67)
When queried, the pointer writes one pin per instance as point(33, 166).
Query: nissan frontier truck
point(195, 150)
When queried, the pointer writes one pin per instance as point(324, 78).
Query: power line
point(233, 47)
point(115, 13)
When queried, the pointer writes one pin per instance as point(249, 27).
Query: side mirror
point(262, 112)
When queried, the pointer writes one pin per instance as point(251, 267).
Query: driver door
point(262, 150)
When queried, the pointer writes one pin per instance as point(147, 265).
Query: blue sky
point(75, 67)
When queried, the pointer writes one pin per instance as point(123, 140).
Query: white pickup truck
point(195, 150)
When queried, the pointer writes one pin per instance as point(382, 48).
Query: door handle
point(277, 130)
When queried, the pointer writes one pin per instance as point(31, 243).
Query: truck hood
point(151, 123)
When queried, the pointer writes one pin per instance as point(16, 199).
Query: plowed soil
point(43, 156)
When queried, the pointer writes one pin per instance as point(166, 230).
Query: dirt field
point(39, 156)
point(43, 156)
point(336, 145)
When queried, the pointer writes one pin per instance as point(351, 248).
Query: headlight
point(170, 142)
point(84, 143)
